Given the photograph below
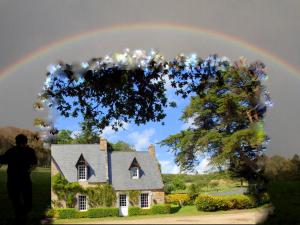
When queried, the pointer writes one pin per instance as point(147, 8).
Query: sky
point(37, 33)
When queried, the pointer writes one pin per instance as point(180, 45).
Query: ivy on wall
point(98, 196)
point(101, 195)
point(134, 197)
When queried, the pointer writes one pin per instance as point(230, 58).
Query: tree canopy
point(228, 101)
point(227, 113)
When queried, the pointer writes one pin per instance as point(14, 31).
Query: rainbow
point(181, 27)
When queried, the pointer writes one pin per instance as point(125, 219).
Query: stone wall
point(54, 200)
point(158, 197)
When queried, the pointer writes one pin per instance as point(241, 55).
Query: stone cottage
point(92, 164)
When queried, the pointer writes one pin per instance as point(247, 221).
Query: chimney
point(151, 150)
point(103, 144)
point(103, 147)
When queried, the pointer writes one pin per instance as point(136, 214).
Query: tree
point(64, 137)
point(193, 191)
point(121, 146)
point(280, 168)
point(168, 188)
point(178, 184)
point(296, 162)
point(127, 87)
point(88, 135)
point(227, 110)
point(228, 102)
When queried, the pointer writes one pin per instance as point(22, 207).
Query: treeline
point(7, 140)
point(88, 136)
point(279, 168)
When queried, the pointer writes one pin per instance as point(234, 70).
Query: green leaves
point(227, 113)
point(228, 100)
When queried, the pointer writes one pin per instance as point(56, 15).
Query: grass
point(208, 183)
point(41, 196)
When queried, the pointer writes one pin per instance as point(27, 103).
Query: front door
point(123, 205)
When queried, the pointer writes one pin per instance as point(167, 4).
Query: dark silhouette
point(20, 159)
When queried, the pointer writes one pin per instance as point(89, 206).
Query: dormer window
point(135, 173)
point(82, 172)
point(82, 169)
point(135, 169)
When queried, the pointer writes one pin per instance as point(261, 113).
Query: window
point(122, 200)
point(82, 172)
point(144, 200)
point(82, 203)
point(135, 173)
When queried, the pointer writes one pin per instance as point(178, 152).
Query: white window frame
point(133, 175)
point(149, 200)
point(79, 202)
point(126, 199)
point(78, 172)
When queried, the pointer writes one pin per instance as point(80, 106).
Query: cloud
point(203, 166)
point(111, 134)
point(75, 133)
point(141, 140)
point(167, 80)
point(169, 167)
point(189, 123)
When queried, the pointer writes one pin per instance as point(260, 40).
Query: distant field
point(224, 183)
point(41, 195)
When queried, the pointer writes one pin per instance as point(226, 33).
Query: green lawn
point(41, 196)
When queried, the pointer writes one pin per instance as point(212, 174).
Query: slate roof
point(66, 157)
point(150, 177)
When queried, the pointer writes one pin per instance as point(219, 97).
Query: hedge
point(161, 209)
point(69, 213)
point(103, 212)
point(214, 203)
point(66, 213)
point(181, 199)
point(155, 209)
point(134, 210)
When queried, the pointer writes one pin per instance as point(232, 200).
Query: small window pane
point(144, 200)
point(82, 202)
point(82, 172)
point(134, 172)
point(122, 200)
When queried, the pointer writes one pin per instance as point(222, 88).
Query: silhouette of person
point(20, 159)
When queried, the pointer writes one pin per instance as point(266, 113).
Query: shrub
point(193, 191)
point(210, 203)
point(168, 188)
point(161, 209)
point(134, 210)
point(264, 198)
point(102, 212)
point(214, 203)
point(240, 201)
point(145, 211)
point(179, 184)
point(155, 209)
point(82, 214)
point(50, 213)
point(66, 213)
point(181, 199)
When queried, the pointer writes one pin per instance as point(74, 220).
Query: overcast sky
point(27, 26)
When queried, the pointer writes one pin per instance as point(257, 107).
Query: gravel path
point(250, 217)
